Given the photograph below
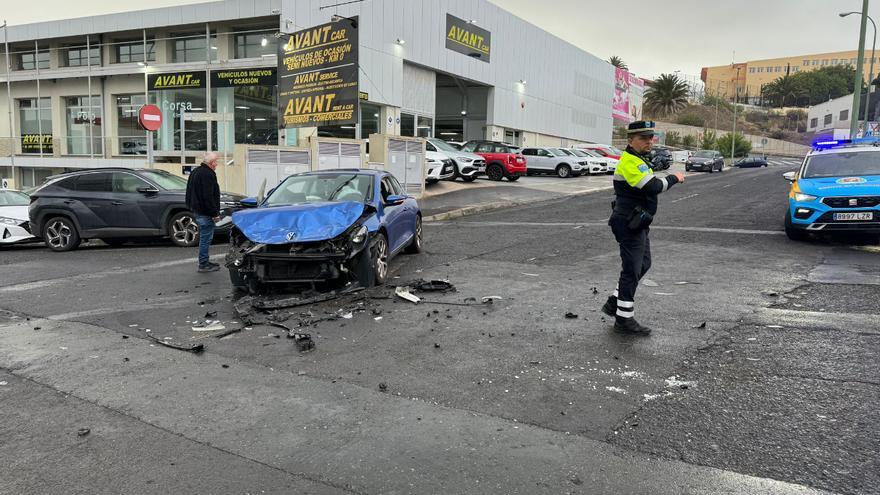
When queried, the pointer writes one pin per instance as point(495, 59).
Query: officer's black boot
point(610, 307)
point(630, 326)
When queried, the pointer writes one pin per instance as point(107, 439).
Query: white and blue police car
point(836, 189)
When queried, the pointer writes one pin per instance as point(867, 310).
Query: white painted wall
point(833, 107)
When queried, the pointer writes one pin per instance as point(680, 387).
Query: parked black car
point(755, 161)
point(705, 161)
point(661, 159)
point(115, 205)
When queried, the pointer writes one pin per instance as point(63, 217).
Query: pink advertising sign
point(620, 101)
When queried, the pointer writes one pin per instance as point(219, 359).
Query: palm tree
point(666, 95)
point(618, 62)
point(784, 89)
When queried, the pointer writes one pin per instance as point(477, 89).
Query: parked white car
point(468, 166)
point(609, 165)
point(543, 160)
point(14, 223)
point(438, 167)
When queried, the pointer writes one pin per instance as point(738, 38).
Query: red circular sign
point(150, 117)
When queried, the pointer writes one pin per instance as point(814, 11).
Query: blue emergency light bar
point(826, 144)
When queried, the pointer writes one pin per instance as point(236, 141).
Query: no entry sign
point(150, 117)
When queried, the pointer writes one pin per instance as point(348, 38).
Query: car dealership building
point(453, 69)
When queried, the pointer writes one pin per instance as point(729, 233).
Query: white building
point(531, 88)
point(830, 115)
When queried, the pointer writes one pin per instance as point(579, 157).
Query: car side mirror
point(147, 190)
point(249, 203)
point(394, 200)
point(790, 176)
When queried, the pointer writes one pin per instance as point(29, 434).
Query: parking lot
point(760, 376)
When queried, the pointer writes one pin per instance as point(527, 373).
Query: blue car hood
point(858, 185)
point(306, 222)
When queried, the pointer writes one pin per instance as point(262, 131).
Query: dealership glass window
point(35, 119)
point(425, 127)
point(133, 51)
point(83, 125)
point(30, 60)
point(131, 137)
point(172, 102)
point(844, 115)
point(338, 131)
point(252, 45)
point(31, 177)
point(191, 48)
point(407, 124)
point(79, 56)
point(255, 111)
point(369, 120)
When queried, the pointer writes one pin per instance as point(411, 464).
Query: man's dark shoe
point(211, 263)
point(610, 307)
point(209, 268)
point(630, 326)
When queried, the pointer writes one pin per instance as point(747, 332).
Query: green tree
point(742, 146)
point(666, 95)
point(673, 138)
point(802, 89)
point(708, 139)
point(710, 100)
point(618, 62)
point(785, 90)
point(688, 141)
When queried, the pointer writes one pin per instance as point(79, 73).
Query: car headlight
point(10, 221)
point(799, 196)
point(360, 235)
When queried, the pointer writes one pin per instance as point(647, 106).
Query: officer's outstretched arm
point(651, 184)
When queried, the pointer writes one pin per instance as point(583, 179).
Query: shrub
point(708, 139)
point(673, 138)
point(742, 146)
point(688, 141)
point(691, 119)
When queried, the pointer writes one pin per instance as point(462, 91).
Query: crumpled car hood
point(305, 222)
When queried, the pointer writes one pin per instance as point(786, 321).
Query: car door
point(546, 160)
point(408, 216)
point(394, 216)
point(93, 192)
point(134, 209)
point(531, 155)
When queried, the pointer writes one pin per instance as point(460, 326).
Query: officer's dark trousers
point(635, 257)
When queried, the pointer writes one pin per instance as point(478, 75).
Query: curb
point(488, 207)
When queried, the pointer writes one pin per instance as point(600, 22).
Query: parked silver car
point(544, 160)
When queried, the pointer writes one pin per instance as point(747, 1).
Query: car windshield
point(580, 153)
point(318, 188)
point(704, 154)
point(842, 164)
point(442, 145)
point(558, 152)
point(14, 198)
point(166, 181)
point(592, 153)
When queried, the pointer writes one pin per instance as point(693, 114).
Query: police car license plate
point(868, 215)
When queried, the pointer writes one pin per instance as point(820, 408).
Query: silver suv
point(554, 161)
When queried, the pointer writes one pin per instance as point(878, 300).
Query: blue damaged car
point(327, 226)
point(837, 189)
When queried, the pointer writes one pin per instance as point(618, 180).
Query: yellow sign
point(465, 37)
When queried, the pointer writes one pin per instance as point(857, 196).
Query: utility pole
point(9, 103)
point(733, 134)
point(860, 67)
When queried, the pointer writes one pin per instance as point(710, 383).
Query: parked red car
point(604, 150)
point(502, 159)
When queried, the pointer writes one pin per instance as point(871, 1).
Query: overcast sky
point(657, 37)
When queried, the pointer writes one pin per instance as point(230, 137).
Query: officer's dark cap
point(641, 127)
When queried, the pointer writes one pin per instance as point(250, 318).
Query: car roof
point(357, 171)
point(844, 149)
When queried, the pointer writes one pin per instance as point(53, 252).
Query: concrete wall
point(772, 147)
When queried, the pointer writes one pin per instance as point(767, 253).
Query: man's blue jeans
point(206, 235)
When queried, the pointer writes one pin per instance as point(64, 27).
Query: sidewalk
point(446, 200)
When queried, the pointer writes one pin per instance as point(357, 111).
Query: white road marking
point(163, 303)
point(726, 186)
point(684, 198)
point(40, 284)
point(573, 224)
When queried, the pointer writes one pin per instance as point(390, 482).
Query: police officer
point(636, 189)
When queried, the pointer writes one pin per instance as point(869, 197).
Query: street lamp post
point(860, 67)
point(736, 99)
point(870, 69)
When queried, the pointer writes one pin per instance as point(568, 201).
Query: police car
point(837, 189)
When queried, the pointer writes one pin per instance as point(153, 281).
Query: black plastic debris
point(701, 325)
point(227, 332)
point(571, 316)
point(595, 290)
point(383, 387)
point(83, 432)
point(224, 366)
point(436, 345)
point(303, 341)
point(432, 286)
point(195, 349)
point(211, 314)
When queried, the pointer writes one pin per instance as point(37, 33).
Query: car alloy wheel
point(380, 259)
point(60, 234)
point(416, 245)
point(563, 171)
point(495, 172)
point(184, 230)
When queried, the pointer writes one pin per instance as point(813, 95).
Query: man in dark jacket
point(203, 199)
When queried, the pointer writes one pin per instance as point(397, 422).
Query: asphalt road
point(777, 393)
